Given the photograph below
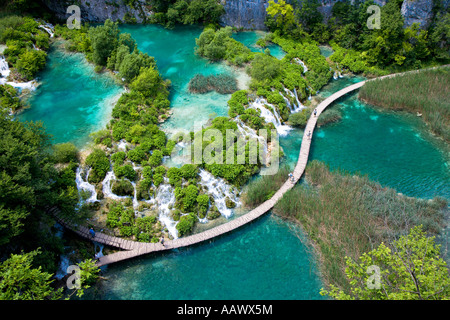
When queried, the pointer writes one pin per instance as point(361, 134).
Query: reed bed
point(348, 215)
point(221, 83)
point(264, 187)
point(426, 92)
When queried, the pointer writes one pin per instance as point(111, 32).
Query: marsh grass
point(264, 187)
point(220, 83)
point(348, 215)
point(426, 92)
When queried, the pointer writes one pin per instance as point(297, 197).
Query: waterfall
point(219, 190)
point(297, 107)
point(4, 68)
point(107, 193)
point(49, 28)
point(5, 71)
point(85, 185)
point(270, 117)
point(300, 62)
point(165, 198)
point(246, 131)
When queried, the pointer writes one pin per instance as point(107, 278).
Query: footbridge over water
point(133, 249)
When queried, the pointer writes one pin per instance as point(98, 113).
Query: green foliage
point(299, 119)
point(264, 67)
point(186, 197)
point(30, 63)
point(280, 15)
point(65, 152)
point(122, 187)
point(125, 171)
point(186, 224)
point(219, 45)
point(104, 39)
point(9, 99)
point(189, 12)
point(19, 280)
point(99, 162)
point(410, 269)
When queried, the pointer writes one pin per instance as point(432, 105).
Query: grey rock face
point(100, 10)
point(247, 14)
point(420, 11)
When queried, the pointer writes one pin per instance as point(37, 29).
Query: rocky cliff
point(101, 10)
point(246, 14)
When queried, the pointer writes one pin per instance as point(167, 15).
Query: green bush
point(186, 224)
point(100, 165)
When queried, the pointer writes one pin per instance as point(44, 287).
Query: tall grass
point(426, 92)
point(348, 215)
point(264, 187)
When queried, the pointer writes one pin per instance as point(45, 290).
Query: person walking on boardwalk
point(309, 134)
point(315, 112)
point(92, 232)
point(162, 241)
point(291, 177)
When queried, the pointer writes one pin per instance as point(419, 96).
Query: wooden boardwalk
point(134, 249)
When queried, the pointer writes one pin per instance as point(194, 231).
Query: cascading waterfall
point(5, 71)
point(300, 62)
point(246, 131)
point(49, 28)
point(219, 190)
point(269, 116)
point(107, 193)
point(85, 185)
point(164, 200)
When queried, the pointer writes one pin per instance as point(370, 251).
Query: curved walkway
point(134, 248)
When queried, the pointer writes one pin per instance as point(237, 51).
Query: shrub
point(65, 152)
point(186, 224)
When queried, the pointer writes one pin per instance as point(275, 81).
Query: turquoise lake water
point(72, 99)
point(266, 259)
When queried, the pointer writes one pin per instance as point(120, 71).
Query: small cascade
point(270, 117)
point(107, 193)
point(300, 62)
point(296, 107)
point(4, 67)
point(5, 71)
point(219, 190)
point(335, 76)
point(122, 145)
point(288, 102)
point(165, 199)
point(49, 28)
point(85, 185)
point(246, 131)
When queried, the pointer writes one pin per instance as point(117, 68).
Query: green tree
point(282, 15)
point(19, 280)
point(30, 63)
point(411, 269)
point(148, 82)
point(104, 40)
point(99, 163)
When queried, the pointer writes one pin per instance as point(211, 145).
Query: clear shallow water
point(263, 260)
point(174, 51)
point(391, 148)
point(72, 100)
point(249, 38)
